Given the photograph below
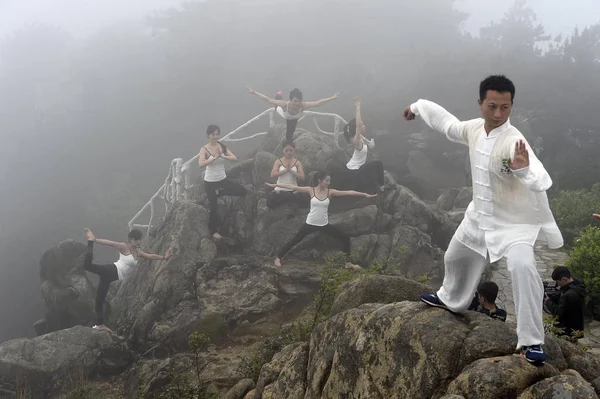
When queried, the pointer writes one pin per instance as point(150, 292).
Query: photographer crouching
point(566, 303)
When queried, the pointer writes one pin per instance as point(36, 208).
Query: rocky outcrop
point(455, 198)
point(409, 350)
point(67, 293)
point(44, 365)
point(570, 385)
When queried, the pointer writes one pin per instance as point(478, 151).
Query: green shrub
point(585, 263)
point(573, 210)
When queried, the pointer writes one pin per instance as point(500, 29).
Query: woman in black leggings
point(216, 183)
point(129, 254)
point(318, 217)
point(293, 109)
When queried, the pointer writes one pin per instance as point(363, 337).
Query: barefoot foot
point(102, 327)
point(217, 236)
point(89, 235)
point(277, 262)
point(352, 266)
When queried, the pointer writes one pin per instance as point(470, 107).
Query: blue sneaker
point(433, 300)
point(534, 354)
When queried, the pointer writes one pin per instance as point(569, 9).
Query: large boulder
point(44, 365)
point(560, 386)
point(410, 350)
point(67, 293)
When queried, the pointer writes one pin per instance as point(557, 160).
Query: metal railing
point(178, 184)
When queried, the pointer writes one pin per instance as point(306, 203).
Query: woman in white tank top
point(287, 170)
point(292, 110)
point(216, 184)
point(359, 174)
point(129, 254)
point(318, 216)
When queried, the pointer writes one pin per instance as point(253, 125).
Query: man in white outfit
point(508, 213)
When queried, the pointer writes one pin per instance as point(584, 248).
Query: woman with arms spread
point(293, 109)
point(129, 254)
point(318, 218)
point(212, 157)
point(287, 170)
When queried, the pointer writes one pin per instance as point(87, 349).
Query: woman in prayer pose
point(293, 110)
point(216, 183)
point(129, 254)
point(287, 170)
point(358, 173)
point(509, 211)
point(318, 218)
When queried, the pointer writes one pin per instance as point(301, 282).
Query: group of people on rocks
point(509, 211)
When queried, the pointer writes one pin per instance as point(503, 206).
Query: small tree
point(585, 263)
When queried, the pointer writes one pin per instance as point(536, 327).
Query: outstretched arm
point(267, 99)
point(437, 118)
point(312, 104)
point(352, 193)
point(166, 256)
point(121, 246)
point(360, 128)
point(528, 169)
point(290, 187)
point(596, 215)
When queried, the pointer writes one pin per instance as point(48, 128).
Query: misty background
point(97, 97)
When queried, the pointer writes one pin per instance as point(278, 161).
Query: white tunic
point(318, 215)
point(359, 158)
point(509, 206)
point(287, 178)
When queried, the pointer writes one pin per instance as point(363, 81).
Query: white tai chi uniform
point(508, 213)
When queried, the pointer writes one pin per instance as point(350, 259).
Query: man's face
point(495, 108)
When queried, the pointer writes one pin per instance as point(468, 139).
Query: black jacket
point(569, 307)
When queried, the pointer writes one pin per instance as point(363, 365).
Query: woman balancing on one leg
point(318, 218)
point(287, 170)
point(293, 110)
point(360, 174)
point(213, 156)
point(129, 253)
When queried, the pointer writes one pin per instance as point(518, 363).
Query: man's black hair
point(488, 290)
point(499, 83)
point(560, 272)
point(135, 234)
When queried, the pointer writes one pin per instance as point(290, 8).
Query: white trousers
point(463, 269)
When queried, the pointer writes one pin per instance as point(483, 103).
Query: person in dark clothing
point(568, 307)
point(485, 301)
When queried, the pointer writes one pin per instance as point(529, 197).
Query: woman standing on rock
point(216, 183)
point(287, 170)
point(129, 253)
point(359, 174)
point(293, 110)
point(318, 218)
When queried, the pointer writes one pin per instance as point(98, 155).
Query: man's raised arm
point(437, 118)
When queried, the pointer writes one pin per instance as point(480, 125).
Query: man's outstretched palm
point(521, 158)
point(408, 114)
point(596, 215)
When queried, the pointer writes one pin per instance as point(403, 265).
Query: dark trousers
point(306, 229)
point(278, 198)
point(107, 273)
point(290, 128)
point(367, 179)
point(216, 189)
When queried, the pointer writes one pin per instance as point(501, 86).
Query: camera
point(551, 289)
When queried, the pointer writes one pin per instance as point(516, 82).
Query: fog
point(96, 97)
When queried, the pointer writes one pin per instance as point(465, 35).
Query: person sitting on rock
point(216, 183)
point(293, 110)
point(568, 306)
point(129, 254)
point(485, 301)
point(287, 170)
point(358, 173)
point(318, 218)
point(508, 213)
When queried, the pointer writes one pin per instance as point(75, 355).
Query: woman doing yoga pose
point(287, 170)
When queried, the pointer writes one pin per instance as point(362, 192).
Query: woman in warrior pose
point(287, 170)
point(292, 110)
point(360, 174)
point(318, 218)
point(213, 156)
point(129, 254)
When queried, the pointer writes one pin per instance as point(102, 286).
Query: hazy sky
point(82, 17)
